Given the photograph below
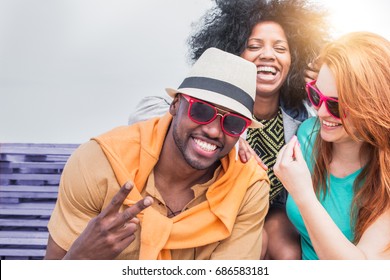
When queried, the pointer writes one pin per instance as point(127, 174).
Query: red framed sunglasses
point(202, 112)
point(316, 98)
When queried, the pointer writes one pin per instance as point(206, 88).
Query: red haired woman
point(342, 209)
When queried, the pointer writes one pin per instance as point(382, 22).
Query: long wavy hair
point(229, 23)
point(360, 64)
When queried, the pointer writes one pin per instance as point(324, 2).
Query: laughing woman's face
point(267, 47)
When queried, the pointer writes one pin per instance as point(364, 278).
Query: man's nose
point(214, 128)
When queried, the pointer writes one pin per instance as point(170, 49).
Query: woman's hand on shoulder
point(245, 152)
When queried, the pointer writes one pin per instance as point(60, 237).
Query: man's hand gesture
point(109, 233)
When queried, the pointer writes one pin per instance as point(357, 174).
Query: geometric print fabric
point(267, 142)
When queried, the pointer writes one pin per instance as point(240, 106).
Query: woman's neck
point(346, 158)
point(266, 108)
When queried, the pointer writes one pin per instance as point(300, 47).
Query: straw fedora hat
point(223, 79)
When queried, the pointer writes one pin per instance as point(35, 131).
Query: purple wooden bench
point(29, 179)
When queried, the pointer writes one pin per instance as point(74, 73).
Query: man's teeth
point(330, 123)
point(266, 69)
point(205, 146)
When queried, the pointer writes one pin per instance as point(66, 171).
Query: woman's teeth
point(330, 124)
point(266, 69)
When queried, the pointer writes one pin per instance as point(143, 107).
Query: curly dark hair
point(229, 23)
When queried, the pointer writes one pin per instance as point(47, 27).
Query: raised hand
point(109, 233)
point(311, 72)
point(292, 171)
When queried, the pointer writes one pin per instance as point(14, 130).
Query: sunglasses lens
point(234, 125)
point(314, 96)
point(317, 98)
point(202, 112)
point(333, 108)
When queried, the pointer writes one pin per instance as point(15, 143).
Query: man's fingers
point(131, 212)
point(117, 200)
point(126, 241)
point(133, 221)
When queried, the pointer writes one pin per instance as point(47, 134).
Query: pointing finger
point(119, 198)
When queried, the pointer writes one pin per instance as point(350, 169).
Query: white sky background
point(73, 69)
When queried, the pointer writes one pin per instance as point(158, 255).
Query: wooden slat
point(22, 252)
point(33, 158)
point(51, 195)
point(23, 241)
point(9, 200)
point(37, 149)
point(28, 209)
point(21, 191)
point(24, 234)
point(38, 165)
point(26, 212)
point(43, 177)
point(26, 188)
point(32, 145)
point(29, 178)
point(29, 205)
point(35, 223)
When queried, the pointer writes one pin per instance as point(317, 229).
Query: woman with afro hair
point(281, 37)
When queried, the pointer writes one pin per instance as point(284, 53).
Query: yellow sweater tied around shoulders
point(133, 151)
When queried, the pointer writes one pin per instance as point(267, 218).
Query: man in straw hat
point(183, 194)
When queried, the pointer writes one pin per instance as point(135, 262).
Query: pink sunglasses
point(202, 112)
point(316, 98)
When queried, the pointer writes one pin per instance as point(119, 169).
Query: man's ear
point(174, 107)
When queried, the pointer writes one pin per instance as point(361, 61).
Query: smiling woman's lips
point(266, 69)
point(266, 76)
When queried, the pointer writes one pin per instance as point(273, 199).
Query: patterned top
point(267, 142)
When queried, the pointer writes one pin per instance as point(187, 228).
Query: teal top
point(337, 201)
